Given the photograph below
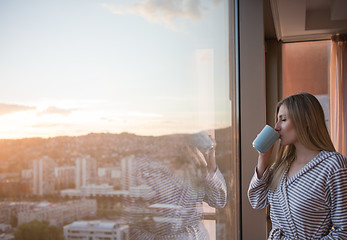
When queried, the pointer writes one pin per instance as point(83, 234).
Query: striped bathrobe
point(310, 205)
point(174, 212)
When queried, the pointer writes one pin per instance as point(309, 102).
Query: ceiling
point(304, 20)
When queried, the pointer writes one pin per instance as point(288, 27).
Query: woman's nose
point(277, 127)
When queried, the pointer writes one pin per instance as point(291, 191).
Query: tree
point(36, 230)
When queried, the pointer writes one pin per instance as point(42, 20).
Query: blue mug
point(201, 141)
point(265, 139)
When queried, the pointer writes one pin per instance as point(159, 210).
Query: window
point(306, 69)
point(109, 92)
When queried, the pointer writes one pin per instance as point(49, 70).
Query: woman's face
point(284, 127)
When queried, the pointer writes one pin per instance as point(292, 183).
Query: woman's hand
point(206, 159)
point(210, 157)
point(264, 161)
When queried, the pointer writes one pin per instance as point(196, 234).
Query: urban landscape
point(82, 185)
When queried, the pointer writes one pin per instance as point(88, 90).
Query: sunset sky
point(71, 67)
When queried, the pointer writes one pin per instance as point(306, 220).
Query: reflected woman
point(178, 188)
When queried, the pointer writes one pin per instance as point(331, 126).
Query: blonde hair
point(307, 116)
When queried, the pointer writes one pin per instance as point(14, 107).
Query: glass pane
point(306, 69)
point(117, 115)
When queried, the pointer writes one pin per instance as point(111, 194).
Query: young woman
point(306, 185)
point(177, 185)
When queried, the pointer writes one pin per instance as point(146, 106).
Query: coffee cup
point(265, 139)
point(202, 141)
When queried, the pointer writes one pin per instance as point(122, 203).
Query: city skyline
point(69, 69)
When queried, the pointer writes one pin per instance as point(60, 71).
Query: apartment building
point(96, 230)
point(65, 177)
point(43, 176)
point(86, 171)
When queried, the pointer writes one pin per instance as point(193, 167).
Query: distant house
point(93, 230)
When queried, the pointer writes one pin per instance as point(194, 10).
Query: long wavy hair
point(307, 116)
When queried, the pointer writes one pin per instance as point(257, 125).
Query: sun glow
point(148, 70)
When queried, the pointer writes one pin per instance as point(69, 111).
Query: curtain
point(338, 92)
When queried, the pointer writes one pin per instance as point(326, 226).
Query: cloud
point(56, 110)
point(165, 12)
point(12, 108)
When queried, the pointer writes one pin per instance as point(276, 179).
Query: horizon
point(114, 133)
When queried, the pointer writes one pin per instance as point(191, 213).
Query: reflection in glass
point(99, 132)
point(175, 187)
